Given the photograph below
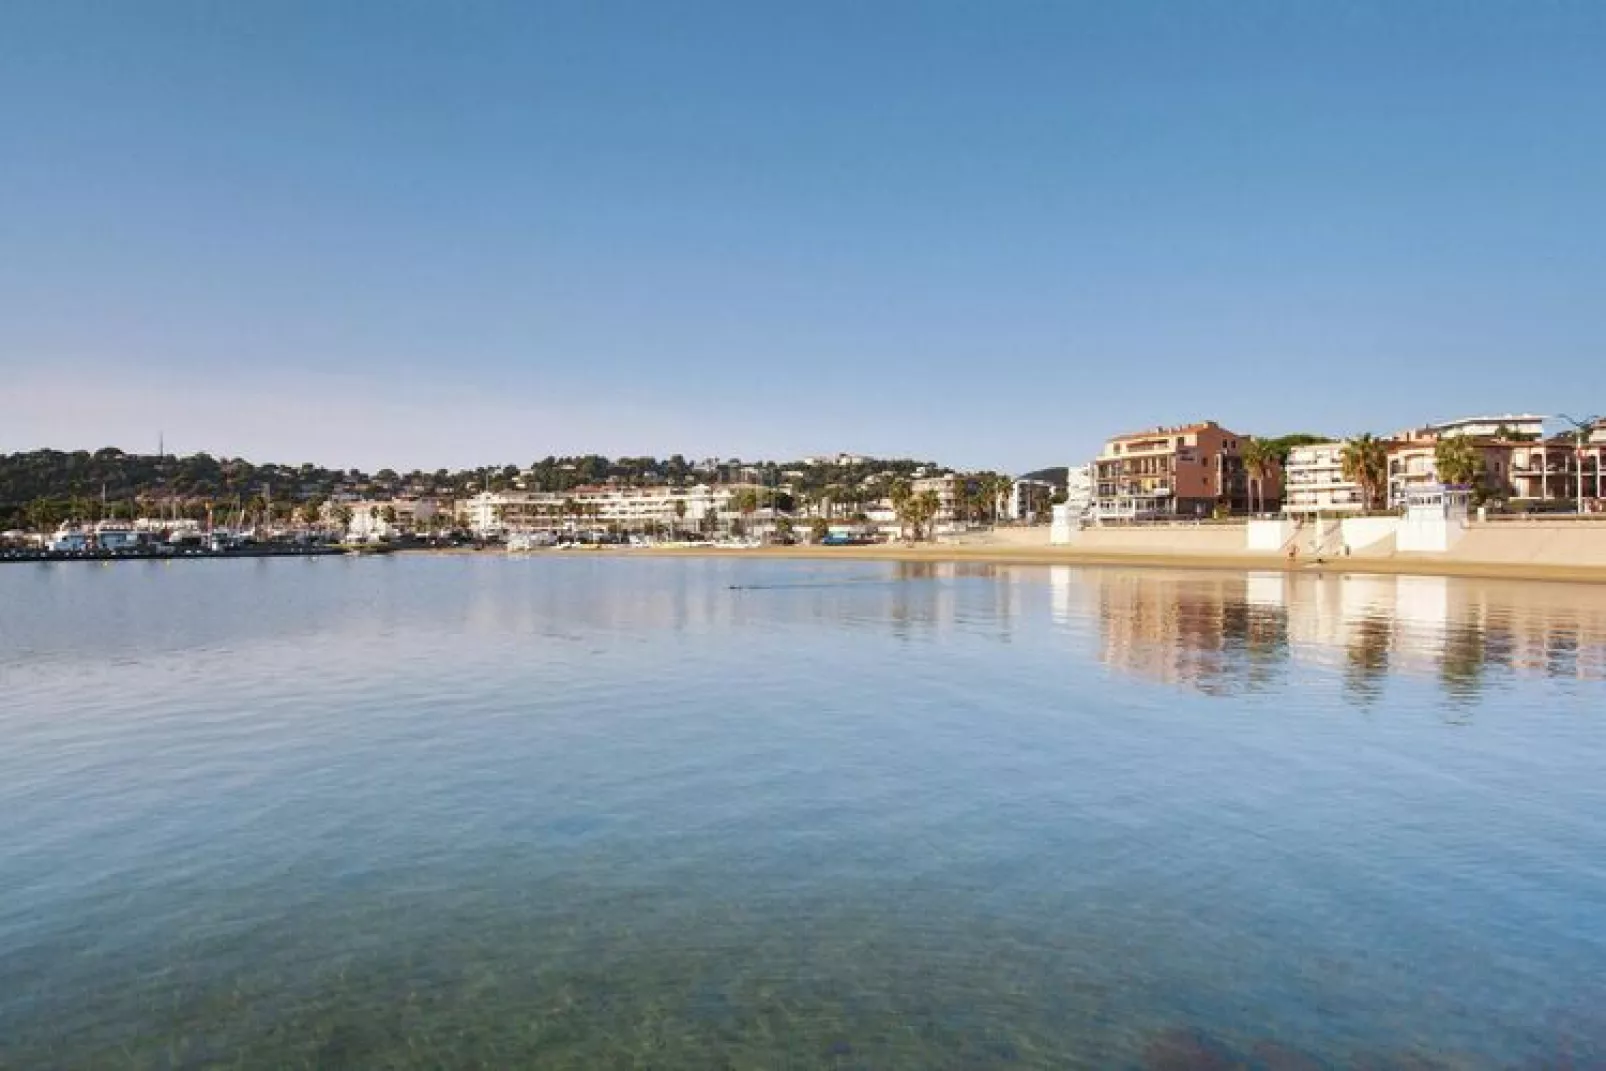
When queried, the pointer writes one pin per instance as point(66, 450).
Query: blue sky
point(426, 234)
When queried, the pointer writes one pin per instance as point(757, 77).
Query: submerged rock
point(1270, 1055)
point(1184, 1049)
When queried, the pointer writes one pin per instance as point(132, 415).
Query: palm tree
point(680, 516)
point(1365, 460)
point(258, 507)
point(1458, 460)
point(915, 511)
point(927, 503)
point(746, 502)
point(1258, 458)
point(901, 494)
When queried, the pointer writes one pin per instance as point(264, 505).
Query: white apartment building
point(367, 516)
point(629, 508)
point(947, 497)
point(1313, 481)
point(1029, 500)
point(1528, 425)
point(1078, 489)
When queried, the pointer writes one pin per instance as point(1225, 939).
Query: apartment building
point(1183, 471)
point(628, 508)
point(947, 490)
point(1313, 481)
point(1413, 466)
point(1544, 471)
point(1029, 500)
point(1560, 469)
point(1511, 426)
point(1520, 463)
point(365, 517)
point(1078, 489)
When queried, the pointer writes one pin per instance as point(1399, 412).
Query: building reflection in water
point(1220, 633)
point(1232, 632)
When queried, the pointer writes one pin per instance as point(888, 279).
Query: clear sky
point(425, 234)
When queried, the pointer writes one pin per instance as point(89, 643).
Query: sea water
point(590, 811)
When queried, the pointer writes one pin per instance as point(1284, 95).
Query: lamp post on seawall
point(1582, 427)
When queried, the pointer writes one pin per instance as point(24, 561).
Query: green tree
point(819, 528)
point(1003, 491)
point(746, 502)
point(926, 505)
point(901, 494)
point(1259, 462)
point(1365, 462)
point(1282, 444)
point(1458, 461)
point(916, 511)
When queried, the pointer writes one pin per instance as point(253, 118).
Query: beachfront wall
point(1271, 536)
point(1020, 537)
point(1067, 521)
point(1369, 534)
point(1181, 539)
point(1428, 535)
point(1580, 543)
point(1546, 543)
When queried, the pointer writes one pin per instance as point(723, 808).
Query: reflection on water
point(1229, 632)
point(581, 812)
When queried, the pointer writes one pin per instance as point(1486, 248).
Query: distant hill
point(1054, 474)
point(41, 487)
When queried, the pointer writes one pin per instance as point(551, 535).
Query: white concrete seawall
point(1548, 543)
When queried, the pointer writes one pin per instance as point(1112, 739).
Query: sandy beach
point(1048, 555)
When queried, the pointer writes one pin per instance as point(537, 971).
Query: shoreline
point(971, 553)
point(1005, 555)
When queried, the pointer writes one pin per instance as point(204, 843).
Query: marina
point(167, 553)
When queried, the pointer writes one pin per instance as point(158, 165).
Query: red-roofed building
point(1183, 471)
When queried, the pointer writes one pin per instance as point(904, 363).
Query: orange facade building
point(1189, 470)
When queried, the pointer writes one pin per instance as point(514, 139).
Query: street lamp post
point(1582, 428)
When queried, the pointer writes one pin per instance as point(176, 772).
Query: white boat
point(116, 535)
point(69, 538)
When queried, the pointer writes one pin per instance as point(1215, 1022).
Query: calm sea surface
point(700, 813)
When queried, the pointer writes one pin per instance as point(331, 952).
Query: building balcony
point(1317, 482)
point(1322, 507)
point(1557, 469)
